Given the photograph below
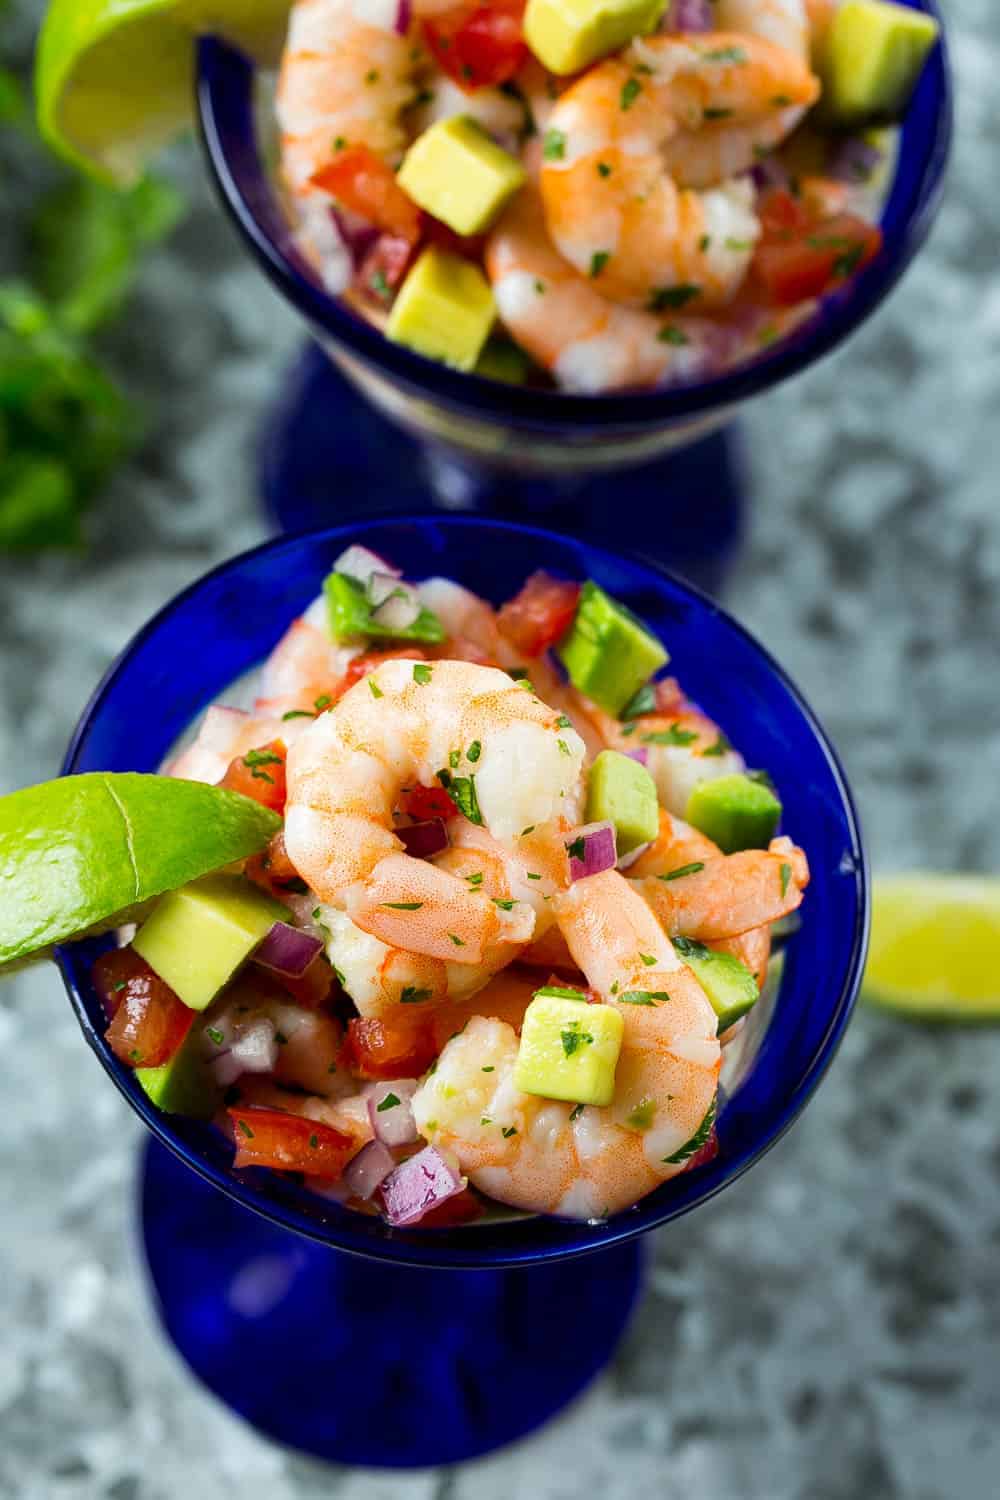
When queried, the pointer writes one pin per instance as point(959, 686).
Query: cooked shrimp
point(511, 758)
point(728, 894)
point(549, 1157)
point(589, 344)
point(705, 155)
point(380, 978)
point(612, 205)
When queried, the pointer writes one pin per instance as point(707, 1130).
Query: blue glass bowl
point(546, 431)
point(222, 626)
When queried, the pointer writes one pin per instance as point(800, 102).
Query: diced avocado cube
point(567, 35)
point(623, 792)
point(184, 1085)
point(735, 812)
point(569, 1050)
point(872, 58)
point(444, 309)
point(349, 613)
point(607, 652)
point(728, 983)
point(197, 937)
point(459, 174)
point(504, 360)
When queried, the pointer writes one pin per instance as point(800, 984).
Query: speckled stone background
point(828, 1330)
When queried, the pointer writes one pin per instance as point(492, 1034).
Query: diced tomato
point(796, 265)
point(311, 989)
point(479, 45)
point(292, 1143)
point(272, 869)
point(362, 666)
point(780, 211)
point(260, 774)
point(705, 1154)
point(150, 1022)
point(425, 802)
point(384, 267)
point(377, 1050)
point(363, 183)
point(542, 612)
point(461, 1209)
point(824, 197)
point(472, 246)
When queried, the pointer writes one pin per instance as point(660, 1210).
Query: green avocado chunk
point(623, 792)
point(872, 58)
point(184, 1085)
point(728, 983)
point(568, 35)
point(459, 174)
point(196, 938)
point(350, 615)
point(735, 812)
point(444, 310)
point(569, 1049)
point(503, 360)
point(607, 652)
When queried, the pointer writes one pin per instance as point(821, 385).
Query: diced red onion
point(370, 1167)
point(219, 1035)
point(641, 755)
point(705, 1153)
point(301, 904)
point(383, 15)
point(358, 237)
point(599, 851)
point(381, 586)
point(360, 563)
point(399, 611)
point(424, 839)
point(418, 1185)
point(256, 1048)
point(288, 950)
point(393, 1123)
point(769, 173)
point(688, 15)
point(630, 858)
point(854, 160)
point(404, 14)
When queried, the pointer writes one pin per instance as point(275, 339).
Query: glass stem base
point(327, 455)
point(363, 1362)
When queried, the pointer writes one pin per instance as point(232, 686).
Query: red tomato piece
point(272, 869)
point(780, 211)
point(363, 183)
point(461, 1209)
point(311, 989)
point(384, 267)
point(292, 1143)
point(542, 612)
point(361, 666)
point(802, 264)
point(150, 1022)
point(425, 802)
point(376, 1050)
point(479, 45)
point(260, 774)
point(472, 246)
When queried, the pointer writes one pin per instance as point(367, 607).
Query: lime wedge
point(85, 853)
point(935, 947)
point(114, 78)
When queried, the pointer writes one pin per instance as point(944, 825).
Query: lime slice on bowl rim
point(87, 853)
point(114, 79)
point(935, 947)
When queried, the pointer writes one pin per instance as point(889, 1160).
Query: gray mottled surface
point(826, 1331)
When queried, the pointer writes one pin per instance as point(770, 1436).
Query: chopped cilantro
point(717, 114)
point(376, 691)
point(577, 849)
point(720, 746)
point(559, 992)
point(532, 875)
point(245, 1129)
point(682, 870)
point(504, 905)
point(475, 879)
point(672, 335)
point(459, 942)
point(323, 701)
point(671, 736)
point(462, 791)
point(474, 751)
point(573, 1038)
point(508, 1131)
point(576, 1111)
point(413, 996)
point(631, 89)
point(696, 1142)
point(389, 1102)
point(403, 905)
point(603, 169)
point(554, 145)
point(489, 1069)
point(299, 713)
point(598, 261)
point(647, 959)
point(313, 1142)
point(564, 748)
point(786, 875)
point(725, 54)
point(421, 673)
point(672, 296)
point(643, 997)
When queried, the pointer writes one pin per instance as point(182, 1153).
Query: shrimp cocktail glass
point(544, 239)
point(464, 919)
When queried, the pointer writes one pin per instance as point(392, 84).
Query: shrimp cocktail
point(517, 901)
point(594, 195)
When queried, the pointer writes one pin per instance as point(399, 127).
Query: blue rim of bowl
point(224, 88)
point(446, 1248)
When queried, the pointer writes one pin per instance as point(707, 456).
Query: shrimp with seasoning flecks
point(586, 1162)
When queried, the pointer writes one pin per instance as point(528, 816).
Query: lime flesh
point(114, 79)
point(86, 853)
point(935, 947)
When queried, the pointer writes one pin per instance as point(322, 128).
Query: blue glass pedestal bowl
point(490, 447)
point(325, 1328)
